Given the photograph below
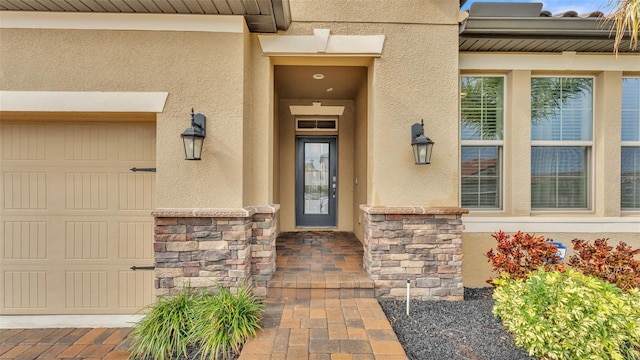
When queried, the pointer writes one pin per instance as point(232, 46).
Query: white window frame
point(627, 144)
point(316, 118)
point(487, 143)
point(590, 145)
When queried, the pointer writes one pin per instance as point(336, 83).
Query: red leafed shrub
point(520, 254)
point(600, 260)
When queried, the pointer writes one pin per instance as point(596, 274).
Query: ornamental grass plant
point(223, 323)
point(165, 331)
point(194, 324)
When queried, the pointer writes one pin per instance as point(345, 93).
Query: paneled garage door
point(74, 218)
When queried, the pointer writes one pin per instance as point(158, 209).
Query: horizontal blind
point(561, 108)
point(559, 177)
point(481, 176)
point(481, 135)
point(630, 155)
point(630, 177)
point(631, 109)
point(482, 108)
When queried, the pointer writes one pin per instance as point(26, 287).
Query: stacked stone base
point(234, 248)
point(207, 248)
point(422, 245)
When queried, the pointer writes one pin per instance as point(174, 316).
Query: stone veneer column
point(263, 247)
point(420, 244)
point(205, 248)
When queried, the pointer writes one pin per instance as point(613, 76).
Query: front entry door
point(316, 181)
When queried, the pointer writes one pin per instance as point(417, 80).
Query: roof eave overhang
point(535, 28)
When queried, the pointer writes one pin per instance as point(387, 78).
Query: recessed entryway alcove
point(333, 180)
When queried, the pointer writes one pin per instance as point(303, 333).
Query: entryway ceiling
point(338, 83)
point(263, 16)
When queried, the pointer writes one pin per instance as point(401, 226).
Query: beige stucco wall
point(248, 155)
point(604, 212)
point(203, 70)
point(476, 269)
point(605, 156)
point(360, 158)
point(263, 177)
point(375, 11)
point(415, 78)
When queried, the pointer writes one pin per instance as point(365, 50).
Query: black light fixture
point(193, 137)
point(422, 145)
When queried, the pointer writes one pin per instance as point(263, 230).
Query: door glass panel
point(316, 178)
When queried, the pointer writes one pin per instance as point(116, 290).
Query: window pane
point(561, 108)
point(559, 177)
point(482, 108)
point(316, 178)
point(631, 109)
point(481, 177)
point(630, 157)
point(630, 179)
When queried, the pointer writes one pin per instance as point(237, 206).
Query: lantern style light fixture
point(193, 137)
point(422, 145)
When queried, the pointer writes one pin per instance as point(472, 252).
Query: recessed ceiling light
point(318, 76)
point(329, 89)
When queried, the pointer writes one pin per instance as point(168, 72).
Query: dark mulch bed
point(442, 330)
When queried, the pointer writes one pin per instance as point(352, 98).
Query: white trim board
point(321, 43)
point(552, 224)
point(566, 61)
point(90, 101)
point(66, 321)
point(113, 21)
point(316, 108)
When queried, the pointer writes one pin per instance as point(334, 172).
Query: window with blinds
point(630, 136)
point(481, 136)
point(561, 142)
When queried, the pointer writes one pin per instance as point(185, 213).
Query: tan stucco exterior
point(476, 270)
point(224, 76)
point(224, 73)
point(604, 167)
point(177, 62)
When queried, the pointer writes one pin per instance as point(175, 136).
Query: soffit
point(297, 82)
point(524, 27)
point(262, 16)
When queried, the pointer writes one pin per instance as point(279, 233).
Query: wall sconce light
point(193, 137)
point(422, 145)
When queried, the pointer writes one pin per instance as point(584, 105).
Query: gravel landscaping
point(442, 330)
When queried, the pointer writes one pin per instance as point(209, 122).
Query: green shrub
point(214, 325)
point(600, 260)
point(225, 322)
point(164, 332)
point(522, 253)
point(570, 316)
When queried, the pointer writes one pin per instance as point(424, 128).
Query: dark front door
point(316, 181)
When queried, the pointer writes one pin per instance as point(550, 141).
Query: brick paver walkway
point(324, 329)
point(99, 343)
point(320, 306)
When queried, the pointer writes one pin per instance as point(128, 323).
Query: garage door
point(74, 219)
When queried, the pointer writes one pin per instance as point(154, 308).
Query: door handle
point(134, 268)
